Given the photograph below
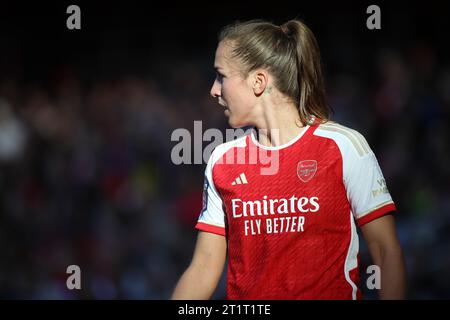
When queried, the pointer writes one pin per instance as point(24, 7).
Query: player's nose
point(216, 89)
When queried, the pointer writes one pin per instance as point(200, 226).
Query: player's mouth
point(222, 103)
point(227, 110)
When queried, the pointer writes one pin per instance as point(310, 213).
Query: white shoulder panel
point(212, 212)
point(362, 176)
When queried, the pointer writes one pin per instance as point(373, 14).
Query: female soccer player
point(289, 232)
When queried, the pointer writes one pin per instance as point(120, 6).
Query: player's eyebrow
point(219, 71)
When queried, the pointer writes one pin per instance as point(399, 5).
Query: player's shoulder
point(223, 148)
point(346, 138)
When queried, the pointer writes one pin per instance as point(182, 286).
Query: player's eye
point(219, 76)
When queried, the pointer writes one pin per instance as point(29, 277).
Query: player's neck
point(278, 126)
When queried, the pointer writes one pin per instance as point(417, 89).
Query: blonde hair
point(290, 53)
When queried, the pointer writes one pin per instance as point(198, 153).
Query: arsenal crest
point(306, 169)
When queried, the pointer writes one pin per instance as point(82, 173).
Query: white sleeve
point(366, 187)
point(212, 216)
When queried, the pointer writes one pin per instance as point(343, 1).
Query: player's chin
point(236, 123)
point(232, 123)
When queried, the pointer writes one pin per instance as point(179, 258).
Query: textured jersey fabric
point(290, 213)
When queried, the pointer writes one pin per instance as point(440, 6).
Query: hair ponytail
point(311, 89)
point(291, 53)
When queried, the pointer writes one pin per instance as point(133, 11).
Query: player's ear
point(260, 78)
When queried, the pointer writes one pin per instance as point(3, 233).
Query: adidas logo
point(240, 180)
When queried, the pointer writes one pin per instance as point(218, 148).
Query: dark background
point(86, 118)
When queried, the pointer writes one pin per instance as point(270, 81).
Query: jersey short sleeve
point(212, 216)
point(366, 187)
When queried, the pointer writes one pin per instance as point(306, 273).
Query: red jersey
point(290, 212)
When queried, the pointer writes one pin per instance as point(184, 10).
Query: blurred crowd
point(86, 176)
point(87, 179)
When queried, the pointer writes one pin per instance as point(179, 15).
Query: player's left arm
point(371, 205)
point(381, 238)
